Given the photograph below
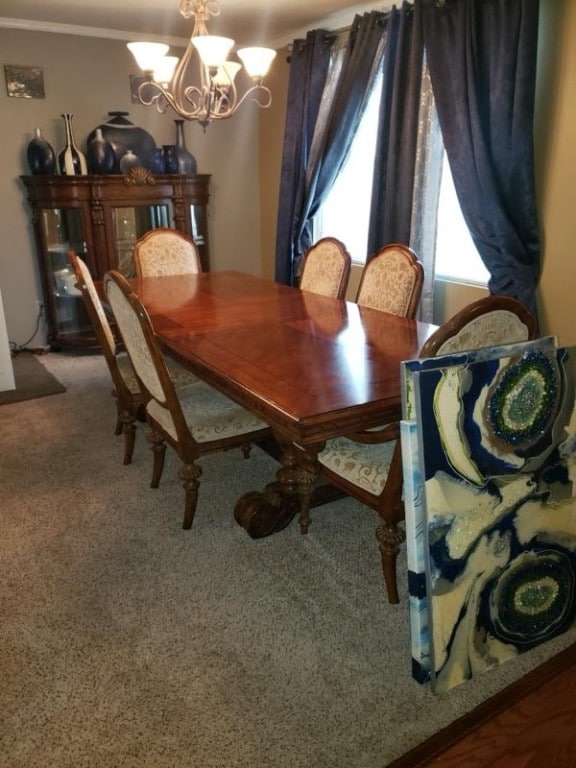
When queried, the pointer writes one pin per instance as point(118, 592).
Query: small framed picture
point(24, 82)
point(135, 83)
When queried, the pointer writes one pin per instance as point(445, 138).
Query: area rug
point(32, 380)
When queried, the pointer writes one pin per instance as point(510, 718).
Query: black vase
point(99, 154)
point(40, 155)
point(186, 160)
point(124, 135)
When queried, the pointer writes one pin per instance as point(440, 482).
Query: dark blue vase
point(186, 160)
point(40, 155)
point(99, 154)
point(170, 158)
point(158, 161)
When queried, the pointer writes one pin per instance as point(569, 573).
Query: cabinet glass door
point(131, 223)
point(63, 231)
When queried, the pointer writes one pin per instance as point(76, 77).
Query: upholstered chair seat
point(163, 251)
point(368, 466)
point(326, 268)
point(194, 419)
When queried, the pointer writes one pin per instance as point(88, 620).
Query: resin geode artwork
point(489, 460)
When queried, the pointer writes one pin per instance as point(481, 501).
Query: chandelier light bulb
point(213, 50)
point(147, 55)
point(257, 61)
point(164, 69)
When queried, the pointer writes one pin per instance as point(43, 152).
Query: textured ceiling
point(271, 22)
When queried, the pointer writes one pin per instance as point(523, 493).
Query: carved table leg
point(262, 514)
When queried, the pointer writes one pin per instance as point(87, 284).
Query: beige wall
point(89, 77)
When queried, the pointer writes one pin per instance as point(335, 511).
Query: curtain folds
point(482, 59)
point(309, 63)
point(397, 143)
point(306, 181)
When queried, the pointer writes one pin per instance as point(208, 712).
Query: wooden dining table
point(312, 367)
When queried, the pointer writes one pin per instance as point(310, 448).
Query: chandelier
point(216, 96)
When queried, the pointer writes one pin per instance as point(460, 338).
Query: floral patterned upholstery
point(127, 390)
point(166, 252)
point(391, 281)
point(367, 466)
point(194, 418)
point(364, 465)
point(490, 330)
point(326, 268)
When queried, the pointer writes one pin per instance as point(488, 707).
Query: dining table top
point(312, 367)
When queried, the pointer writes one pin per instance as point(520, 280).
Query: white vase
point(71, 162)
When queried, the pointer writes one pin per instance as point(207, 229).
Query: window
point(456, 255)
point(345, 212)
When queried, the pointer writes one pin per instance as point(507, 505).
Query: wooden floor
point(532, 724)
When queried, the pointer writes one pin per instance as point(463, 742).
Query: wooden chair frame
point(389, 504)
point(130, 400)
point(167, 404)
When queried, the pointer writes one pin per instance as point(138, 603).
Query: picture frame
point(24, 82)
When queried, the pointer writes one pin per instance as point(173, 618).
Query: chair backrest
point(392, 281)
point(165, 251)
point(102, 328)
point(488, 322)
point(146, 357)
point(326, 268)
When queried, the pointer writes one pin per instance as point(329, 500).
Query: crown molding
point(72, 29)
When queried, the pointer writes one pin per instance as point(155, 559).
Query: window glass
point(456, 255)
point(345, 213)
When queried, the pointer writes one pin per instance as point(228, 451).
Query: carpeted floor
point(128, 642)
point(32, 380)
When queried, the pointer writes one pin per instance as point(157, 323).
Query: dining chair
point(392, 281)
point(164, 251)
point(368, 465)
point(326, 268)
point(194, 421)
point(130, 399)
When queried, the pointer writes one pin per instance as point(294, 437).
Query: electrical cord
point(15, 349)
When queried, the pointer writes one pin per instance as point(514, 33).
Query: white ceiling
point(271, 22)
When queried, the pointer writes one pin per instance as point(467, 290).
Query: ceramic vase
point(99, 154)
point(71, 162)
point(159, 163)
point(40, 155)
point(186, 160)
point(124, 135)
point(170, 159)
point(129, 160)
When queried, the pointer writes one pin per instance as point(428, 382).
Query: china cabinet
point(101, 217)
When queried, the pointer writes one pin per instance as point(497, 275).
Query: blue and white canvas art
point(489, 451)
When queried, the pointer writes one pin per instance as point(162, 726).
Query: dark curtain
point(309, 63)
point(363, 58)
point(393, 184)
point(482, 60)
